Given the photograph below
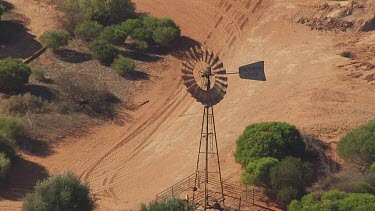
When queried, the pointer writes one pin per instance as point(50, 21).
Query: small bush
point(12, 127)
point(2, 9)
point(268, 139)
point(4, 166)
point(140, 45)
point(113, 34)
point(372, 167)
point(13, 74)
point(164, 35)
point(7, 148)
point(103, 51)
point(334, 200)
point(257, 172)
point(55, 39)
point(288, 179)
point(60, 192)
point(130, 25)
point(358, 146)
point(168, 204)
point(123, 65)
point(19, 105)
point(38, 74)
point(88, 30)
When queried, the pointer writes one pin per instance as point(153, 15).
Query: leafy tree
point(12, 127)
point(88, 30)
point(359, 145)
point(103, 51)
point(123, 65)
point(171, 204)
point(13, 74)
point(113, 34)
point(4, 165)
point(289, 178)
point(334, 200)
point(60, 193)
point(268, 139)
point(257, 172)
point(130, 25)
point(55, 39)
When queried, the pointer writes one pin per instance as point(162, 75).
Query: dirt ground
point(308, 84)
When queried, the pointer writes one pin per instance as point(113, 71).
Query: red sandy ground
point(129, 164)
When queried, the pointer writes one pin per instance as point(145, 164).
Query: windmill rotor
point(204, 75)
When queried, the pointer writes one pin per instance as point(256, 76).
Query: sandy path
point(129, 164)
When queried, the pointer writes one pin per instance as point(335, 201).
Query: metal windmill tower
point(205, 77)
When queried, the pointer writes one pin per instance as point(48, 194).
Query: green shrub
point(130, 25)
point(257, 172)
point(123, 65)
point(103, 51)
point(268, 139)
point(4, 166)
point(288, 179)
point(2, 9)
point(363, 187)
point(103, 11)
point(359, 144)
point(12, 127)
point(19, 105)
point(372, 167)
point(13, 74)
point(113, 34)
point(88, 30)
point(60, 192)
point(38, 74)
point(164, 35)
point(140, 45)
point(167, 205)
point(55, 39)
point(334, 200)
point(7, 147)
point(151, 30)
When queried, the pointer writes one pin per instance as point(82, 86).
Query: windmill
point(205, 77)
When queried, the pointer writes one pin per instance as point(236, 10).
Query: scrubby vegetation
point(151, 30)
point(38, 74)
point(19, 105)
point(55, 39)
point(60, 192)
point(13, 74)
point(267, 150)
point(289, 179)
point(103, 51)
point(268, 139)
point(123, 65)
point(88, 30)
point(168, 204)
point(2, 9)
point(102, 11)
point(334, 200)
point(12, 127)
point(358, 146)
point(4, 166)
point(258, 172)
point(113, 34)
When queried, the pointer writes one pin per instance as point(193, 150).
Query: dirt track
point(129, 164)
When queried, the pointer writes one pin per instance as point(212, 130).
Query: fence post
point(239, 206)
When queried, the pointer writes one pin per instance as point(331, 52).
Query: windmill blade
point(254, 71)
